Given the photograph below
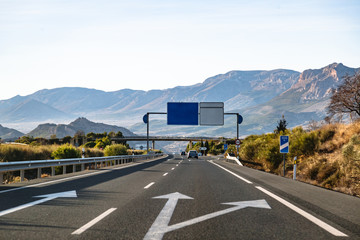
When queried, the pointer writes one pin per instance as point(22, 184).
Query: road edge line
point(307, 215)
point(244, 179)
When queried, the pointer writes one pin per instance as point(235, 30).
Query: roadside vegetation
point(28, 148)
point(328, 156)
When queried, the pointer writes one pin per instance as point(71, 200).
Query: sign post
point(284, 147)
point(147, 121)
point(237, 142)
point(294, 172)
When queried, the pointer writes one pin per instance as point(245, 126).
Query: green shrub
point(249, 150)
point(66, 151)
point(274, 156)
point(115, 150)
point(326, 134)
point(303, 143)
point(103, 142)
point(90, 144)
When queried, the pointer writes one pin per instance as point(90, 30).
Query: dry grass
point(9, 152)
point(330, 167)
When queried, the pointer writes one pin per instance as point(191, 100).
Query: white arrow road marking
point(238, 205)
point(46, 197)
point(156, 231)
point(160, 226)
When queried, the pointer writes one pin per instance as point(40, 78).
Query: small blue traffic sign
point(284, 144)
point(240, 119)
point(145, 118)
point(225, 146)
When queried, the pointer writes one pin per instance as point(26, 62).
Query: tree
point(119, 134)
point(346, 98)
point(281, 125)
point(66, 139)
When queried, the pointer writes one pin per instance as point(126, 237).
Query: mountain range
point(261, 97)
point(80, 124)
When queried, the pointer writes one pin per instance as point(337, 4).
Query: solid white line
point(93, 222)
point(308, 216)
point(244, 179)
point(165, 174)
point(149, 185)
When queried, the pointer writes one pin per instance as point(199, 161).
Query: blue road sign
point(284, 144)
point(145, 118)
point(182, 113)
point(225, 147)
point(240, 119)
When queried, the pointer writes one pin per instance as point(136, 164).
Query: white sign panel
point(212, 113)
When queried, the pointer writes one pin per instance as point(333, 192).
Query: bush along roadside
point(328, 157)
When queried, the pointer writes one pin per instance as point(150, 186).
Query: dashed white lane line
point(244, 179)
point(172, 168)
point(93, 222)
point(165, 174)
point(308, 216)
point(149, 185)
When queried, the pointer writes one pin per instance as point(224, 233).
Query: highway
point(175, 198)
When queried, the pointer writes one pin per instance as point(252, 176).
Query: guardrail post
point(64, 169)
point(22, 174)
point(95, 165)
point(82, 167)
point(1, 178)
point(52, 171)
point(74, 168)
point(39, 173)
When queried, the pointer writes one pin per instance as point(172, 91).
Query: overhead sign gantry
point(193, 113)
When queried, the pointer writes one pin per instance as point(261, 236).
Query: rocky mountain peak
point(315, 84)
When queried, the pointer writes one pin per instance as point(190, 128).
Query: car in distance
point(183, 153)
point(192, 154)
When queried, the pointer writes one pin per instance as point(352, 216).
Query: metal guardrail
point(95, 163)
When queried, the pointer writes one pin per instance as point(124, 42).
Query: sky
point(158, 44)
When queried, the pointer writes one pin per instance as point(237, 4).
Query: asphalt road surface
point(175, 198)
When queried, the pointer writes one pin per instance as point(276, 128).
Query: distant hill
point(304, 101)
point(24, 109)
point(9, 133)
point(238, 89)
point(262, 97)
point(80, 124)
